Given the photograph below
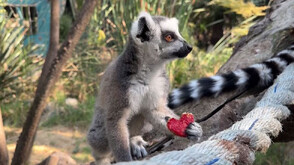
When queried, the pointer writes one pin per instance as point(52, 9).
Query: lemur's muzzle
point(184, 50)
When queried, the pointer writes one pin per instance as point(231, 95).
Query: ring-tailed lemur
point(257, 75)
point(134, 90)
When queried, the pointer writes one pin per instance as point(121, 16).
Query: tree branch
point(48, 80)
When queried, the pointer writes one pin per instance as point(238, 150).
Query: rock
point(58, 158)
point(71, 102)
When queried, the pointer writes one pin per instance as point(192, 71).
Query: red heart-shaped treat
point(178, 127)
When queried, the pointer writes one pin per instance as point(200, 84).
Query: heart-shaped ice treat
point(178, 127)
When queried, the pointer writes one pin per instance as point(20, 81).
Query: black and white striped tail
point(257, 75)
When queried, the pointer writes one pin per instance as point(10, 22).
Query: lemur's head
point(159, 37)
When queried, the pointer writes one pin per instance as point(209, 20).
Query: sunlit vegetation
point(17, 62)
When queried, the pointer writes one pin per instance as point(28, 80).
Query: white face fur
point(159, 37)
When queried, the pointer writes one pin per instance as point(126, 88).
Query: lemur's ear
point(143, 27)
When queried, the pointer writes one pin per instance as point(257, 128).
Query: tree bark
point(52, 53)
point(270, 35)
point(4, 159)
point(52, 70)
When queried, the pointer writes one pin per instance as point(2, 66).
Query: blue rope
point(252, 125)
point(275, 88)
point(212, 161)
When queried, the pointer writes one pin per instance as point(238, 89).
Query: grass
point(67, 115)
point(278, 154)
point(14, 113)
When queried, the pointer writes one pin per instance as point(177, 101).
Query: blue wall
point(43, 10)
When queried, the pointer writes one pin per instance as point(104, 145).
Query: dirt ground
point(68, 140)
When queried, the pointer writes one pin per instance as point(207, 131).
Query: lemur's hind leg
point(118, 133)
point(98, 141)
point(138, 149)
point(137, 143)
point(101, 158)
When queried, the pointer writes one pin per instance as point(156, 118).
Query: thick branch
point(47, 82)
point(25, 142)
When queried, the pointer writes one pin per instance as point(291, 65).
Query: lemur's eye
point(169, 38)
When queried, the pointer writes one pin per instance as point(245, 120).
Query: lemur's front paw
point(193, 131)
point(185, 127)
point(138, 145)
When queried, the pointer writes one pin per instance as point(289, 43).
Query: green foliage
point(16, 60)
point(84, 70)
point(59, 97)
point(70, 116)
point(276, 155)
point(208, 23)
point(115, 17)
point(18, 69)
point(246, 9)
point(112, 20)
point(197, 66)
point(261, 2)
point(82, 154)
point(14, 113)
point(65, 25)
point(107, 33)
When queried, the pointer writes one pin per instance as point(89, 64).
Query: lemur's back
point(108, 84)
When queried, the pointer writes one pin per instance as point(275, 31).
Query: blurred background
point(211, 26)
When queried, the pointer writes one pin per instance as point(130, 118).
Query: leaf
point(245, 9)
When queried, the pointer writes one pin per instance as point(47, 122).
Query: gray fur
point(134, 91)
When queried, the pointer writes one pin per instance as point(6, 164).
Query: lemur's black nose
point(184, 50)
point(189, 47)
